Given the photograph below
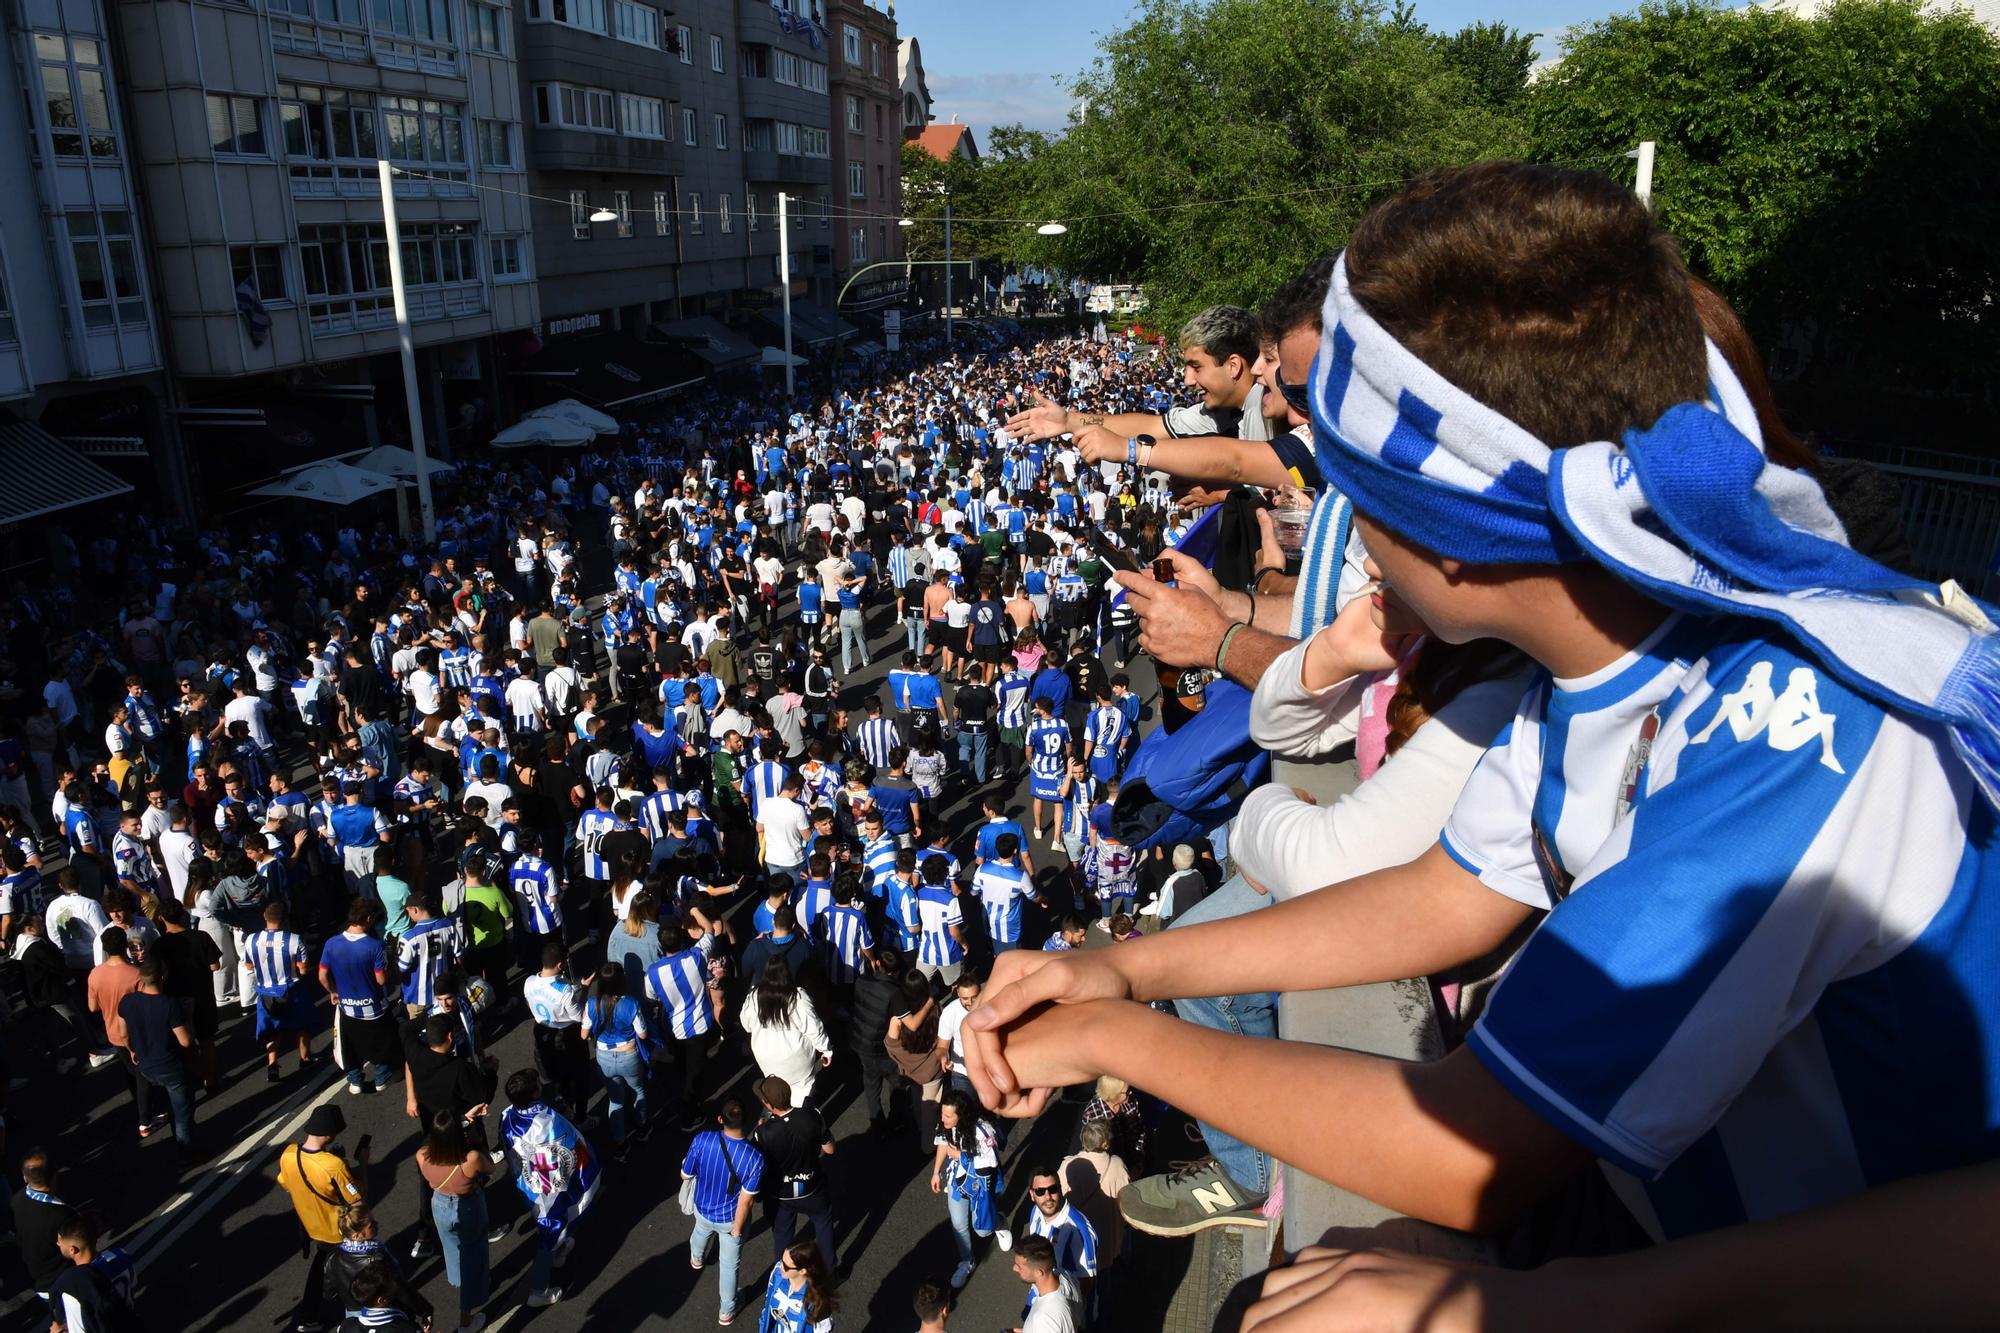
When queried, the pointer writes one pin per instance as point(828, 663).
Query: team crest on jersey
point(1786, 721)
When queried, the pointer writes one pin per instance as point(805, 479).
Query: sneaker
point(960, 1276)
point(1004, 1238)
point(1198, 1196)
point(726, 1318)
point(354, 1089)
point(102, 1058)
point(420, 1249)
point(549, 1297)
point(271, 1074)
point(499, 1233)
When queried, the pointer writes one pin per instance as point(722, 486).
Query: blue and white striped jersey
point(1072, 1237)
point(714, 1198)
point(1001, 885)
point(654, 808)
point(903, 914)
point(536, 892)
point(879, 859)
point(820, 783)
point(590, 830)
point(765, 779)
point(1048, 747)
point(426, 949)
point(679, 982)
point(844, 932)
point(899, 566)
point(455, 666)
point(1013, 694)
point(938, 912)
point(876, 738)
point(1761, 983)
point(1073, 814)
point(810, 901)
point(274, 958)
point(1107, 730)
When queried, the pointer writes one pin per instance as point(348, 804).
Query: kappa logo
point(1786, 721)
point(1621, 471)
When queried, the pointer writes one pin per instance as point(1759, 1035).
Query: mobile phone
point(361, 1144)
point(1163, 570)
point(1110, 552)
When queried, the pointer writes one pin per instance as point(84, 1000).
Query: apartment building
point(867, 156)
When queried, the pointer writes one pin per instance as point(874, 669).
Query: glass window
point(853, 113)
point(263, 267)
point(715, 53)
point(875, 59)
point(579, 215)
point(486, 25)
point(787, 135)
point(684, 43)
point(850, 43)
point(721, 130)
point(881, 182)
point(107, 268)
point(825, 213)
point(621, 204)
point(689, 135)
point(815, 141)
point(496, 145)
point(722, 211)
point(663, 217)
point(750, 207)
point(785, 68)
point(590, 15)
point(508, 259)
point(857, 245)
point(642, 117)
point(694, 214)
point(235, 126)
point(815, 76)
point(575, 108)
point(75, 97)
point(638, 24)
point(857, 181)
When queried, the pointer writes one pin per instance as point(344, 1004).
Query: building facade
point(867, 151)
point(915, 89)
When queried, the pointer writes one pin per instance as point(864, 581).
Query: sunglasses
point(1295, 394)
point(1039, 1190)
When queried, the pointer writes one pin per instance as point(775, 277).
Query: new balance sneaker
point(1198, 1196)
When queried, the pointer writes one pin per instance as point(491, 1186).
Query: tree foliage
point(1829, 175)
point(1222, 145)
point(1494, 57)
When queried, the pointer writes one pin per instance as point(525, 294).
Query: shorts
point(988, 652)
point(1014, 736)
point(1045, 787)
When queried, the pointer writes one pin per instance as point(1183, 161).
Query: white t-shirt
point(178, 849)
point(786, 827)
point(524, 699)
point(424, 691)
point(248, 708)
point(950, 1020)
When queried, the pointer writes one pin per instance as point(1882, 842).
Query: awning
point(612, 369)
point(43, 475)
point(719, 346)
point(812, 325)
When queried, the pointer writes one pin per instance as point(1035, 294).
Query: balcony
point(763, 167)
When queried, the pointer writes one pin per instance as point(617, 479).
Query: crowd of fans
point(1508, 651)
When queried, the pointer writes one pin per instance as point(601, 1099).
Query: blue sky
point(993, 64)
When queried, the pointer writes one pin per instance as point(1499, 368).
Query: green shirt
point(395, 896)
point(486, 912)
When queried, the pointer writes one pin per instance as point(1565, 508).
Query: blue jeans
point(1253, 1015)
point(380, 1073)
point(916, 630)
point(180, 1099)
point(972, 750)
point(732, 1252)
point(461, 1227)
point(961, 1224)
point(854, 635)
point(625, 1080)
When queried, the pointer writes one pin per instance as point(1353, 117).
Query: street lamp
point(905, 222)
point(604, 215)
point(1051, 229)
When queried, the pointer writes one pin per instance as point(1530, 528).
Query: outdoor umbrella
point(581, 414)
point(774, 358)
point(393, 460)
point(330, 483)
point(543, 430)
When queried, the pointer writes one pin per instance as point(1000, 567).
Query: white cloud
point(1006, 97)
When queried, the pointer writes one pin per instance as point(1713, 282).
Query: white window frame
point(857, 245)
point(479, 14)
point(857, 181)
point(255, 262)
point(641, 117)
point(723, 214)
point(815, 141)
point(579, 215)
point(750, 207)
point(487, 132)
point(84, 68)
point(856, 121)
point(621, 204)
point(663, 215)
point(715, 52)
point(814, 80)
point(785, 137)
point(875, 59)
point(574, 106)
point(690, 127)
point(583, 15)
point(694, 214)
point(720, 125)
point(635, 24)
point(684, 36)
point(508, 259)
point(850, 43)
point(825, 213)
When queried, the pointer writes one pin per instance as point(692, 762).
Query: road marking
point(190, 1206)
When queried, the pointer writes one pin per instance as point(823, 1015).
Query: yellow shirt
point(320, 1185)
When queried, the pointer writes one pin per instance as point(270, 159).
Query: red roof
point(942, 141)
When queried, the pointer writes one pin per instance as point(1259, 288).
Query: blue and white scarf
point(1688, 510)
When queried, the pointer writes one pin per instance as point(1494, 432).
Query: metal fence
point(1952, 520)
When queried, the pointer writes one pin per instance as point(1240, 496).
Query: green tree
point(1224, 144)
point(1495, 57)
point(1831, 175)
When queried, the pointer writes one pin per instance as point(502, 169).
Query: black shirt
point(35, 1227)
point(974, 705)
point(150, 1021)
point(443, 1082)
point(791, 1146)
point(86, 1293)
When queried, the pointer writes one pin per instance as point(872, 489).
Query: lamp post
point(950, 339)
point(406, 340)
point(785, 279)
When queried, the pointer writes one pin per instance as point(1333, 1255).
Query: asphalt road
point(219, 1246)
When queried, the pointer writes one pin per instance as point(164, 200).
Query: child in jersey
point(1753, 788)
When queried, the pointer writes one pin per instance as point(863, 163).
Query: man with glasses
point(1070, 1235)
